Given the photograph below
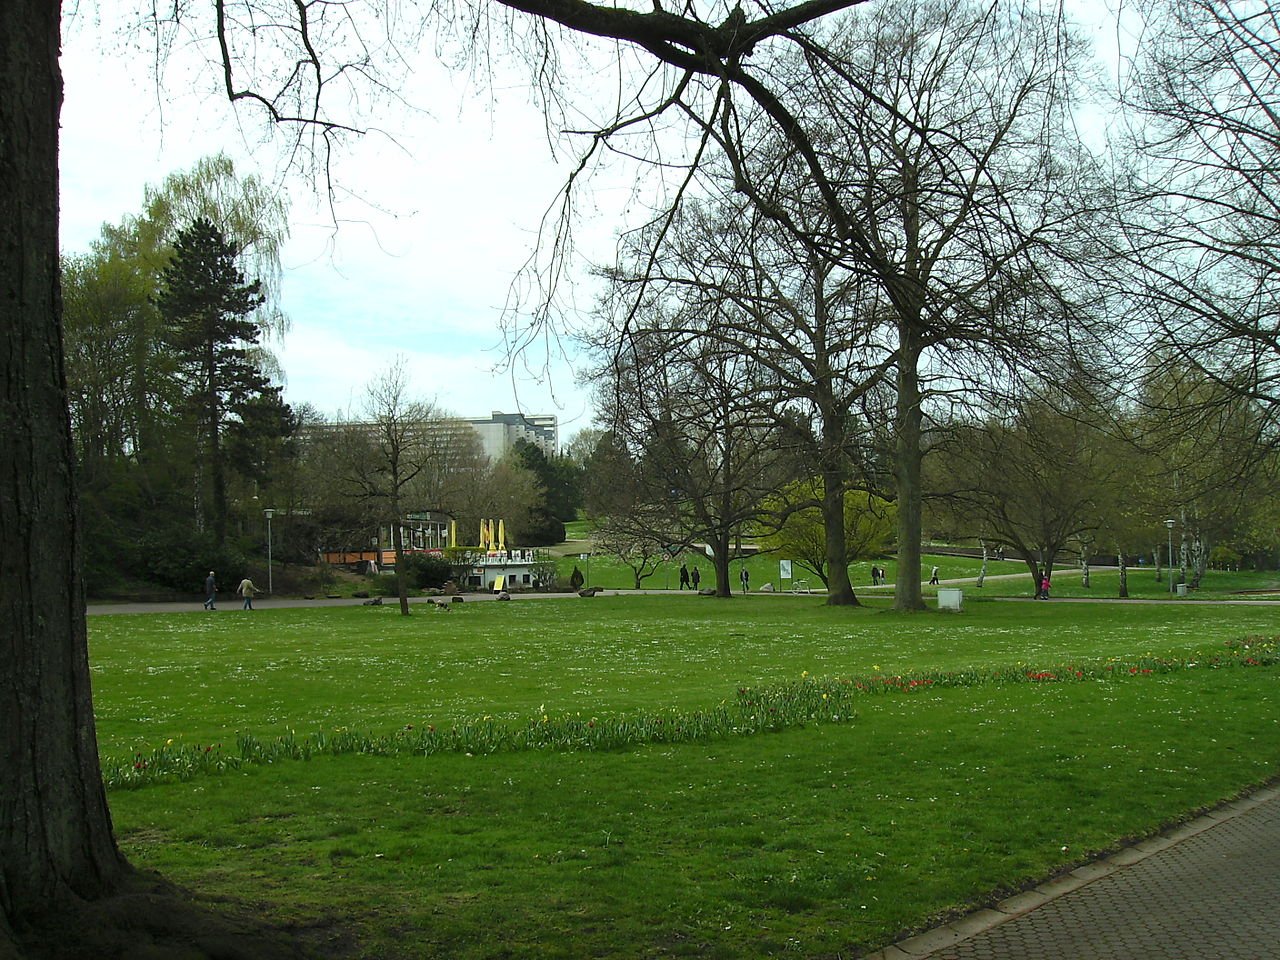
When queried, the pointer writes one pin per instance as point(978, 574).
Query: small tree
point(1032, 476)
point(383, 456)
point(641, 539)
point(869, 528)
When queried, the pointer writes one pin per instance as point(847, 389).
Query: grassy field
point(1005, 578)
point(818, 838)
point(201, 678)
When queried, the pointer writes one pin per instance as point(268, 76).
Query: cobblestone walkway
point(1209, 889)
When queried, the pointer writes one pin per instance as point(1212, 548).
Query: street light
point(271, 513)
point(1169, 525)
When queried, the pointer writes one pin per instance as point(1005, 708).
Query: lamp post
point(269, 513)
point(1169, 526)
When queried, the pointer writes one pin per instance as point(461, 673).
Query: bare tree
point(387, 451)
point(747, 288)
point(1031, 477)
point(643, 539)
point(704, 455)
point(1202, 216)
point(921, 152)
point(502, 490)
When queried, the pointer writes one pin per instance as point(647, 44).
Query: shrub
point(425, 571)
point(1224, 558)
point(541, 529)
point(383, 585)
point(181, 558)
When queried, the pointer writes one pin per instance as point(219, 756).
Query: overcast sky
point(421, 263)
point(426, 249)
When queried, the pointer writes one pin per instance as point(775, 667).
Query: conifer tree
point(207, 311)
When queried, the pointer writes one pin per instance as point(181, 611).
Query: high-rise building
point(499, 432)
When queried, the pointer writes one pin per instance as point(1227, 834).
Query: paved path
point(267, 603)
point(234, 603)
point(1208, 889)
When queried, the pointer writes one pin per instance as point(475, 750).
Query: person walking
point(696, 577)
point(1044, 588)
point(933, 578)
point(875, 576)
point(210, 591)
point(248, 591)
point(684, 576)
point(745, 577)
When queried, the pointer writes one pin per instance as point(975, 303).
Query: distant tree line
point(928, 299)
point(176, 420)
point(183, 439)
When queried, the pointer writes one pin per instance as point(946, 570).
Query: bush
point(1224, 558)
point(383, 585)
point(541, 529)
point(180, 558)
point(425, 571)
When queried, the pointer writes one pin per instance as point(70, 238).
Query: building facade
point(499, 432)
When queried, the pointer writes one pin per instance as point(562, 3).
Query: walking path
point(232, 602)
point(1207, 889)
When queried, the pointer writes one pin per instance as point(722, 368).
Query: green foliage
point(133, 377)
point(610, 478)
point(540, 529)
point(1224, 558)
point(383, 585)
point(229, 404)
point(177, 557)
point(869, 527)
point(425, 571)
point(560, 479)
point(752, 711)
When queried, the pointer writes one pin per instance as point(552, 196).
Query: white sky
point(421, 265)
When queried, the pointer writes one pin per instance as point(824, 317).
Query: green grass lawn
point(200, 678)
point(1004, 578)
point(815, 840)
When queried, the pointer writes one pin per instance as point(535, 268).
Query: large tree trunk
point(908, 418)
point(402, 574)
point(839, 589)
point(56, 845)
point(720, 562)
